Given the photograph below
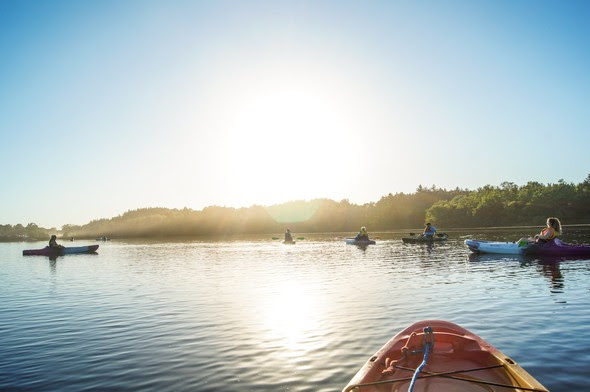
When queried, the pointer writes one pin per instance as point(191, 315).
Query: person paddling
point(53, 242)
point(288, 236)
point(362, 235)
point(429, 230)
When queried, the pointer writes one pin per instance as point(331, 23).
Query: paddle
point(275, 238)
point(300, 238)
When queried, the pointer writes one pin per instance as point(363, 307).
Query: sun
point(283, 142)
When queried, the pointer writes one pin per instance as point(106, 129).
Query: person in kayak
point(362, 235)
point(429, 230)
point(288, 236)
point(53, 242)
point(549, 233)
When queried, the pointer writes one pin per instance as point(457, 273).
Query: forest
point(505, 205)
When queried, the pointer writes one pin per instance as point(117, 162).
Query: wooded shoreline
point(506, 205)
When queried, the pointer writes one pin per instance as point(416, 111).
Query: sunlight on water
point(257, 315)
point(289, 315)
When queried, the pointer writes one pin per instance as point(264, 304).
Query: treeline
point(319, 215)
point(505, 205)
point(30, 232)
point(509, 204)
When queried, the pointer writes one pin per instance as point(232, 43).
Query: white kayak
point(506, 248)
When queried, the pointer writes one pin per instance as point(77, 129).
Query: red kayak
point(439, 356)
point(47, 251)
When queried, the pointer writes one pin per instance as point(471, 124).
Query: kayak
point(289, 242)
point(354, 241)
point(422, 239)
point(47, 251)
point(456, 360)
point(551, 248)
point(557, 248)
point(505, 248)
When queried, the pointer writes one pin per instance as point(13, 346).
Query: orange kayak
point(450, 358)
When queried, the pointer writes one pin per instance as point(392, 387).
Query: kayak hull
point(426, 240)
point(353, 241)
point(557, 248)
point(505, 248)
point(47, 251)
point(551, 248)
point(456, 352)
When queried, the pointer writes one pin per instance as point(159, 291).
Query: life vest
point(549, 232)
point(429, 230)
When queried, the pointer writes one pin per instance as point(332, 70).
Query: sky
point(108, 106)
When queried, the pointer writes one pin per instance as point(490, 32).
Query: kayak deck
point(506, 248)
point(459, 361)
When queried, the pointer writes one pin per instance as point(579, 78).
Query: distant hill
point(504, 205)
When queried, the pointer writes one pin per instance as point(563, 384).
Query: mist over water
point(253, 314)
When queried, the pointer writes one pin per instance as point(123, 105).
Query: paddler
point(549, 233)
point(288, 236)
point(53, 242)
point(429, 230)
point(362, 235)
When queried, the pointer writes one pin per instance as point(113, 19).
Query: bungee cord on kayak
point(427, 346)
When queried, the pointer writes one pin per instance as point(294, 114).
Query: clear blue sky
point(107, 106)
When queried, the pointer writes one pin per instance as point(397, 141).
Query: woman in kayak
point(551, 232)
point(429, 230)
point(53, 242)
point(362, 235)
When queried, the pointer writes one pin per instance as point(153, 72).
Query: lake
point(253, 314)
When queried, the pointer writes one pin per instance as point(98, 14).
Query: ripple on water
point(261, 316)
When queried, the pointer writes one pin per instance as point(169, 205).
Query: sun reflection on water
point(290, 316)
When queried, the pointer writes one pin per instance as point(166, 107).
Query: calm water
point(253, 314)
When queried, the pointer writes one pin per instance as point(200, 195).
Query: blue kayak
point(354, 241)
point(47, 251)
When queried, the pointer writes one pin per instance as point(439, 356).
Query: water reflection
point(362, 247)
point(551, 270)
point(548, 266)
point(289, 315)
point(253, 315)
point(53, 265)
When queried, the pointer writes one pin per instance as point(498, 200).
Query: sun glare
point(289, 316)
point(284, 141)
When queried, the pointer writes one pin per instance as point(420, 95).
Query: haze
point(107, 106)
